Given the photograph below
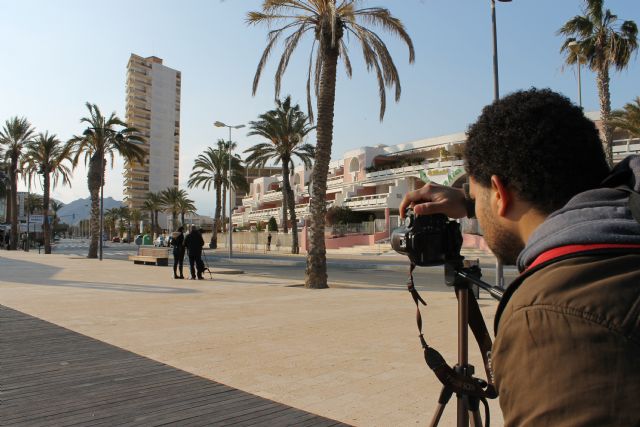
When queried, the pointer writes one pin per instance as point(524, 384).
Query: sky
point(60, 54)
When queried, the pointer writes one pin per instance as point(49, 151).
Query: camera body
point(428, 240)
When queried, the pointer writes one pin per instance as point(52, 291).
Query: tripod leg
point(476, 420)
point(473, 405)
point(445, 395)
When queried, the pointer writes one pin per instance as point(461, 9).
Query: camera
point(428, 240)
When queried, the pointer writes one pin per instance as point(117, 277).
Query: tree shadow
point(36, 274)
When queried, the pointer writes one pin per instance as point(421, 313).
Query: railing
point(272, 196)
point(335, 181)
point(264, 214)
point(256, 241)
point(367, 227)
point(408, 170)
point(370, 200)
point(625, 147)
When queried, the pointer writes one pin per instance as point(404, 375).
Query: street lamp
point(222, 125)
point(496, 96)
point(496, 85)
point(575, 48)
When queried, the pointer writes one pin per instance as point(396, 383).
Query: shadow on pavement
point(31, 273)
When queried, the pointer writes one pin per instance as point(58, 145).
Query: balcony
point(625, 147)
point(413, 170)
point(335, 181)
point(263, 214)
point(248, 201)
point(371, 201)
point(272, 196)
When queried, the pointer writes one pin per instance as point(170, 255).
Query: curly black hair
point(540, 144)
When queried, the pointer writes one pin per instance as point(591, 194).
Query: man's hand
point(435, 199)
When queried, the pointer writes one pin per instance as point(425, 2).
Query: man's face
point(504, 243)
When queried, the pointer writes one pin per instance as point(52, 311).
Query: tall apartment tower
point(153, 107)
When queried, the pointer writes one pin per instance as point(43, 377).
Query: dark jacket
point(567, 348)
point(177, 243)
point(194, 242)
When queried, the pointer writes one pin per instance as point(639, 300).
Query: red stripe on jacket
point(572, 249)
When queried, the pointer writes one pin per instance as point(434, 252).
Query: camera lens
point(408, 221)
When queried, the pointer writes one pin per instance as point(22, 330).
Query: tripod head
point(460, 276)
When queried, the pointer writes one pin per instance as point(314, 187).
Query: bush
point(272, 225)
point(344, 215)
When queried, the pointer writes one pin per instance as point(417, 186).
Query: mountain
point(72, 213)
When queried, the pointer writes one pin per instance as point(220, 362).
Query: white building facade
point(153, 107)
point(375, 179)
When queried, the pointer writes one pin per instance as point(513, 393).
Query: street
point(375, 273)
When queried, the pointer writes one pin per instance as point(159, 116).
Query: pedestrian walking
point(269, 242)
point(176, 241)
point(194, 242)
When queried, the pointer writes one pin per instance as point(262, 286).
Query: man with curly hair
point(567, 347)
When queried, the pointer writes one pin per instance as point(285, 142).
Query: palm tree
point(603, 43)
point(135, 216)
point(285, 128)
point(110, 218)
point(238, 172)
point(55, 207)
point(153, 205)
point(171, 200)
point(185, 206)
point(4, 187)
point(13, 137)
point(208, 169)
point(123, 220)
point(33, 204)
point(328, 23)
point(628, 118)
point(46, 155)
point(104, 136)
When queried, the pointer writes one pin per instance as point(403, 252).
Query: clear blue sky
point(60, 54)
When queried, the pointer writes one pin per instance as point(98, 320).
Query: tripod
point(469, 390)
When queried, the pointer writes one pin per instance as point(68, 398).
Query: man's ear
point(501, 196)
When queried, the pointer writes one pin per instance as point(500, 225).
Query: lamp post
point(222, 125)
point(496, 96)
point(575, 48)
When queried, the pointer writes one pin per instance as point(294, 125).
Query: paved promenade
point(348, 353)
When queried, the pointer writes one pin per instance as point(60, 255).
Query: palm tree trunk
point(13, 175)
point(7, 202)
point(93, 177)
point(182, 219)
point(157, 229)
point(174, 220)
point(216, 216)
point(605, 112)
point(45, 212)
point(316, 271)
point(285, 204)
point(291, 205)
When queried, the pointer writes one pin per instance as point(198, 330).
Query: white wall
point(163, 118)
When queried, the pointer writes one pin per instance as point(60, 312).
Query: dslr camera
point(428, 240)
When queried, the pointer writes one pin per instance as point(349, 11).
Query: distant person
point(269, 242)
point(176, 241)
point(7, 240)
point(194, 242)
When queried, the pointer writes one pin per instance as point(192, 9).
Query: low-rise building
point(375, 179)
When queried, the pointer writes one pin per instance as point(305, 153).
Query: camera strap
point(455, 381)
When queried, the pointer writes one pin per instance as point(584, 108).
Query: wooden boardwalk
point(51, 376)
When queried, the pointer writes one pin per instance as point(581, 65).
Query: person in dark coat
point(194, 242)
point(176, 241)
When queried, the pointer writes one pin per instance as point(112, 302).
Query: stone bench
point(152, 256)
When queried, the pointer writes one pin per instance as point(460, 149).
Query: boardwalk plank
point(53, 376)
